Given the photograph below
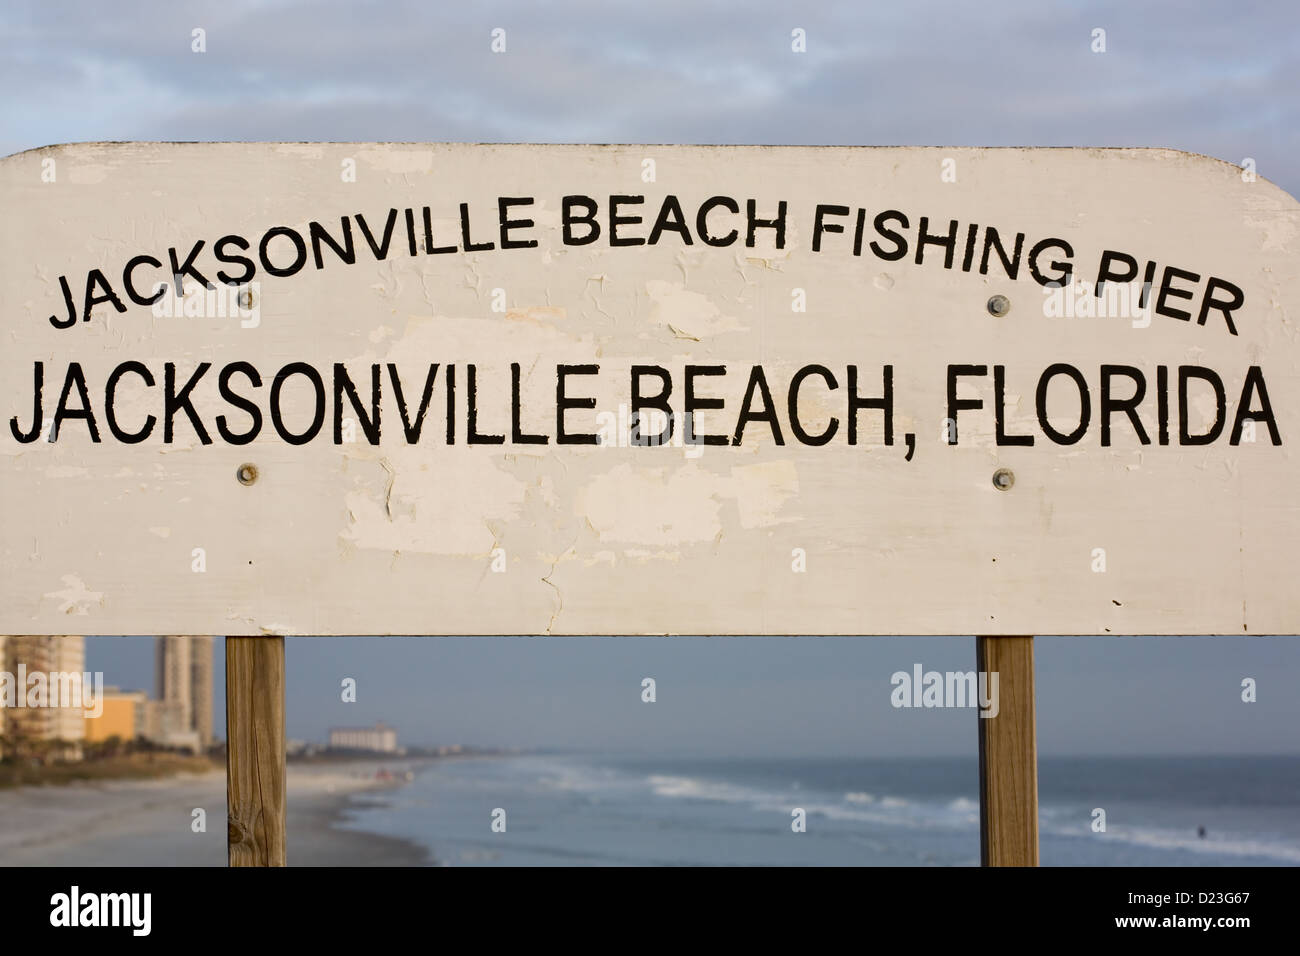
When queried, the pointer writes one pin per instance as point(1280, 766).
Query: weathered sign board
point(512, 389)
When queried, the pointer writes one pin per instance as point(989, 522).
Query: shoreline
point(152, 822)
point(317, 838)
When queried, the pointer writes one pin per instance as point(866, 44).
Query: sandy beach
point(150, 822)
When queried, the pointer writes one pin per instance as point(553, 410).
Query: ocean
point(600, 809)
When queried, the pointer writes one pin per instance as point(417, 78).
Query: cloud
point(1015, 73)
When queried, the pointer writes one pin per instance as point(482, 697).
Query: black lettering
point(885, 404)
point(993, 241)
point(702, 225)
point(346, 252)
point(1064, 270)
point(1106, 274)
point(410, 232)
point(795, 425)
point(956, 404)
point(1085, 403)
point(899, 241)
point(1162, 404)
point(1147, 278)
point(659, 401)
point(471, 246)
point(1185, 374)
point(754, 223)
point(925, 238)
point(429, 247)
point(71, 306)
point(343, 385)
point(75, 378)
point(110, 397)
point(615, 220)
point(219, 253)
point(1128, 406)
point(1234, 301)
point(969, 255)
point(820, 225)
point(517, 434)
point(1254, 383)
point(472, 437)
point(670, 219)
point(412, 431)
point(691, 403)
point(999, 415)
point(451, 404)
point(180, 270)
point(240, 402)
point(380, 250)
point(96, 278)
point(313, 376)
point(299, 252)
point(757, 380)
point(1168, 290)
point(503, 212)
point(563, 403)
point(38, 412)
point(128, 281)
point(175, 401)
point(589, 220)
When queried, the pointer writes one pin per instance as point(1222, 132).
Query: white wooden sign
point(467, 389)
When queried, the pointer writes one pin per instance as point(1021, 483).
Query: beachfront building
point(58, 731)
point(201, 689)
point(120, 717)
point(183, 687)
point(376, 739)
point(172, 683)
point(167, 724)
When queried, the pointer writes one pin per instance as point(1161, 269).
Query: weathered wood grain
point(255, 755)
point(1008, 755)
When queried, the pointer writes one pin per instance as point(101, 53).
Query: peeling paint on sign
point(514, 389)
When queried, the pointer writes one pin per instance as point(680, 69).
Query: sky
point(1213, 78)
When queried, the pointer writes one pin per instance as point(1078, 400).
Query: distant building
point(122, 716)
point(183, 688)
point(301, 748)
point(150, 725)
point(376, 739)
point(63, 655)
point(201, 688)
point(165, 723)
point(172, 675)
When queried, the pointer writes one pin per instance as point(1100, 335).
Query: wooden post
point(1008, 755)
point(255, 757)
